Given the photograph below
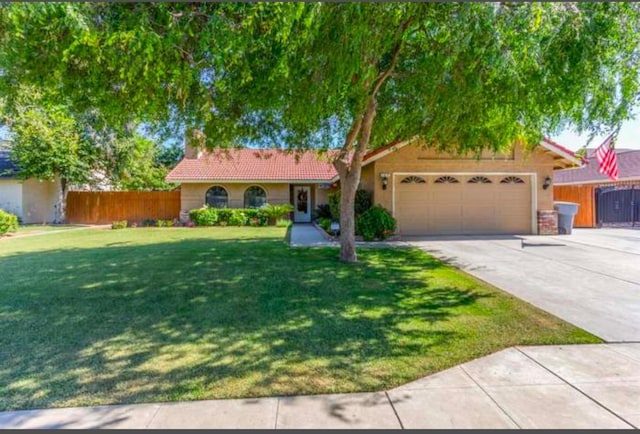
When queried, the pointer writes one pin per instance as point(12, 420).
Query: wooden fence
point(101, 207)
point(585, 196)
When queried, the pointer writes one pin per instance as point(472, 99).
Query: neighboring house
point(427, 192)
point(31, 200)
point(602, 200)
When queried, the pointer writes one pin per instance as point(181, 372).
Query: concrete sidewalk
point(576, 386)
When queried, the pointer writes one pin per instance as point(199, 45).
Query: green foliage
point(8, 222)
point(237, 218)
point(541, 64)
point(164, 223)
point(138, 167)
point(119, 224)
point(47, 141)
point(323, 211)
point(169, 155)
point(325, 223)
point(274, 212)
point(148, 223)
point(283, 223)
point(376, 223)
point(207, 216)
point(334, 204)
point(363, 202)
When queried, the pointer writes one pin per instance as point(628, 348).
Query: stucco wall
point(322, 196)
point(193, 195)
point(39, 200)
point(413, 158)
point(11, 196)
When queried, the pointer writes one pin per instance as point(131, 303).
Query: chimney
point(193, 144)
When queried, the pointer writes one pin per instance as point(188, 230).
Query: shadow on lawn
point(181, 319)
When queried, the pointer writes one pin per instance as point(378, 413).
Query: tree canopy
point(468, 75)
point(459, 76)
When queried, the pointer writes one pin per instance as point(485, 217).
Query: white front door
point(301, 204)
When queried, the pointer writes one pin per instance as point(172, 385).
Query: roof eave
point(572, 160)
point(247, 181)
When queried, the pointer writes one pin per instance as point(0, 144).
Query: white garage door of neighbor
point(11, 197)
point(463, 204)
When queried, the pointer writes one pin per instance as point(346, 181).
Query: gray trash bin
point(566, 212)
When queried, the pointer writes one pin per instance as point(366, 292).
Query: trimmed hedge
point(8, 222)
point(207, 216)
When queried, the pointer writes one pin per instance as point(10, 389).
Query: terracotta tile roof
point(255, 165)
point(628, 164)
point(273, 165)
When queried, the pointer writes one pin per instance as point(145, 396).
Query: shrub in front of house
point(237, 218)
point(362, 203)
point(323, 211)
point(376, 224)
point(207, 216)
point(119, 224)
point(325, 223)
point(204, 216)
point(283, 223)
point(8, 222)
point(273, 213)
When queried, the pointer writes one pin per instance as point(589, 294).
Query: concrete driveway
point(590, 278)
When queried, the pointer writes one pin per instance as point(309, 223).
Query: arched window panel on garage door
point(512, 180)
point(413, 180)
point(446, 180)
point(479, 180)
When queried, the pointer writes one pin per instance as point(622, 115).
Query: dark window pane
point(255, 197)
point(217, 197)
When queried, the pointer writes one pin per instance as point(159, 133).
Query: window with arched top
point(512, 180)
point(479, 180)
point(255, 197)
point(446, 180)
point(413, 180)
point(217, 197)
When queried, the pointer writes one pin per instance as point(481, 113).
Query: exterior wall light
point(547, 183)
point(385, 180)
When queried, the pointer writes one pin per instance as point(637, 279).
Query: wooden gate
point(583, 195)
point(102, 207)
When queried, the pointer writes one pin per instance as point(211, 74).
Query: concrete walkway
point(590, 278)
point(576, 386)
point(307, 235)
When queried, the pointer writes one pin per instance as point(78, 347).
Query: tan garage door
point(469, 204)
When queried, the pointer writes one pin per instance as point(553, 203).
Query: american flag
point(606, 156)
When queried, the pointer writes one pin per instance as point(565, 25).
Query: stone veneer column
point(548, 222)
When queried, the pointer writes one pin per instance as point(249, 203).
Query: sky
point(629, 137)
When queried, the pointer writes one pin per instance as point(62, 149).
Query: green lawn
point(35, 228)
point(140, 315)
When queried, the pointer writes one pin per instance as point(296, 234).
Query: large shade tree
point(461, 77)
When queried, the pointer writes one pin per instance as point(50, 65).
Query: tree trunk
point(62, 202)
point(349, 168)
point(348, 187)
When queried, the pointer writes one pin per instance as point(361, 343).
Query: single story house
point(31, 200)
point(426, 191)
point(601, 199)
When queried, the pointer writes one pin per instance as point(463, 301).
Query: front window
point(217, 197)
point(255, 197)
